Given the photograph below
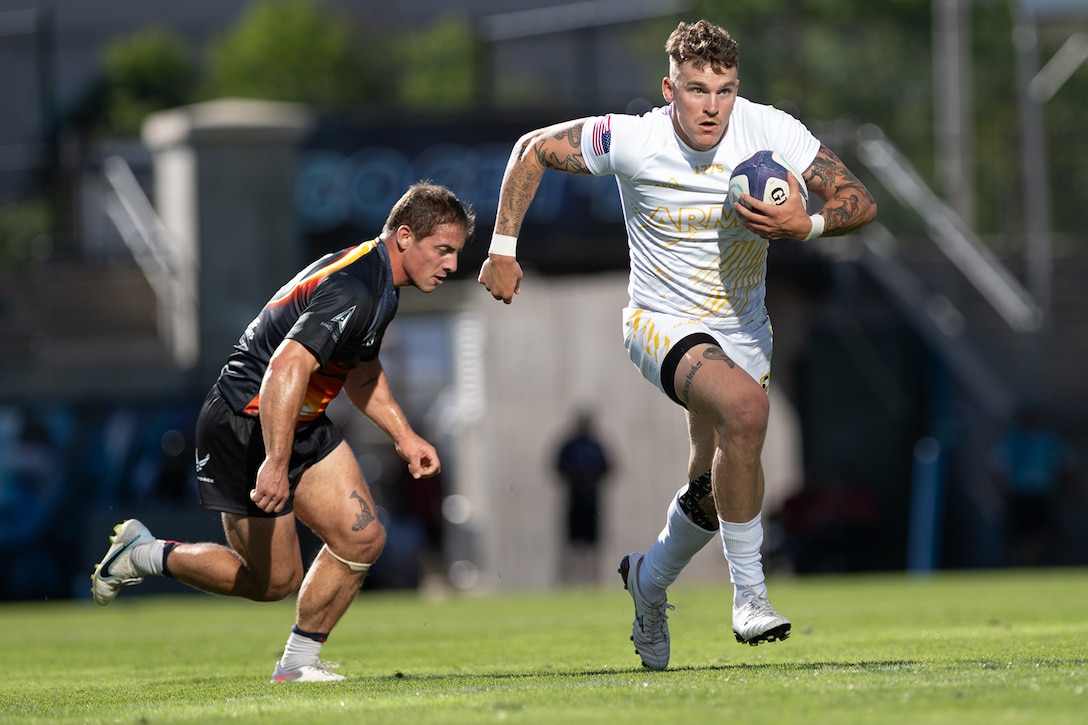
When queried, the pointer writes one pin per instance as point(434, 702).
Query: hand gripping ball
point(763, 175)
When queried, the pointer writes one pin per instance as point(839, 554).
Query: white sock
point(742, 544)
point(300, 650)
point(147, 557)
point(680, 540)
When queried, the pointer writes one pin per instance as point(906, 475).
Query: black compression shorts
point(230, 449)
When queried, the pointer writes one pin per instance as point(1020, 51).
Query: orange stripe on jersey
point(324, 385)
point(310, 281)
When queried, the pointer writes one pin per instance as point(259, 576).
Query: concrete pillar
point(223, 176)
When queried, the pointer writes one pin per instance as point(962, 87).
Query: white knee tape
point(353, 565)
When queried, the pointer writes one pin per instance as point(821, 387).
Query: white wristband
point(817, 226)
point(503, 244)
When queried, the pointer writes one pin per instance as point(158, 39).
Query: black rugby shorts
point(230, 449)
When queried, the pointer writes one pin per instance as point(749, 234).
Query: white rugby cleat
point(650, 629)
point(316, 671)
point(755, 621)
point(116, 569)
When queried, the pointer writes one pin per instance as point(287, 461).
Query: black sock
point(167, 547)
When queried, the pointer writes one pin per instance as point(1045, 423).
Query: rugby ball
point(764, 176)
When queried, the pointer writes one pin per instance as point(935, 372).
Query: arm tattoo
point(365, 515)
point(515, 204)
point(368, 382)
point(830, 173)
point(573, 163)
point(824, 168)
point(519, 188)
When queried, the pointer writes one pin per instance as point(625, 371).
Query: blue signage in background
point(350, 175)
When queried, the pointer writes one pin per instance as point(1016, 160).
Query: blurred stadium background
point(164, 167)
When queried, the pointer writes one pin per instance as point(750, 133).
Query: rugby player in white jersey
point(696, 325)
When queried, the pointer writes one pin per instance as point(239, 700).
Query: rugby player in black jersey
point(267, 453)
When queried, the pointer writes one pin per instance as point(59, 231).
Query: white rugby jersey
point(690, 255)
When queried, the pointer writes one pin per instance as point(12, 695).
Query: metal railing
point(169, 270)
point(949, 232)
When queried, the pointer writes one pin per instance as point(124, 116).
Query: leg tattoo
point(713, 352)
point(365, 515)
point(716, 353)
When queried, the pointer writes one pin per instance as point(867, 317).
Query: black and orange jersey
point(338, 307)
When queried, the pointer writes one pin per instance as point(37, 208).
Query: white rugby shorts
point(657, 342)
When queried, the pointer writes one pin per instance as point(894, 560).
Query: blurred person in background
point(32, 490)
point(696, 325)
point(1031, 467)
point(267, 452)
point(582, 464)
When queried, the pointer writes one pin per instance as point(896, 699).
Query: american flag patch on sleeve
point(602, 136)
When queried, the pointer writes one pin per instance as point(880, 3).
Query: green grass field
point(997, 647)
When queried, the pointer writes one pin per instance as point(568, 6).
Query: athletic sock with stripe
point(302, 648)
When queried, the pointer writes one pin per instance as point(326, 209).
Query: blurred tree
point(824, 59)
point(996, 121)
point(24, 232)
point(1068, 150)
point(288, 50)
point(146, 71)
point(438, 67)
point(873, 62)
point(821, 60)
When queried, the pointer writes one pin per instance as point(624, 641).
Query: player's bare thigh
point(269, 547)
point(721, 398)
point(333, 499)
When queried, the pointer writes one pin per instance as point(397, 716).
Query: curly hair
point(702, 42)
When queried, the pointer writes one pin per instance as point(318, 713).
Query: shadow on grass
point(786, 668)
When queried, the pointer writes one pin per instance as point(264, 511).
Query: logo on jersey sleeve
point(343, 317)
point(337, 324)
point(602, 136)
